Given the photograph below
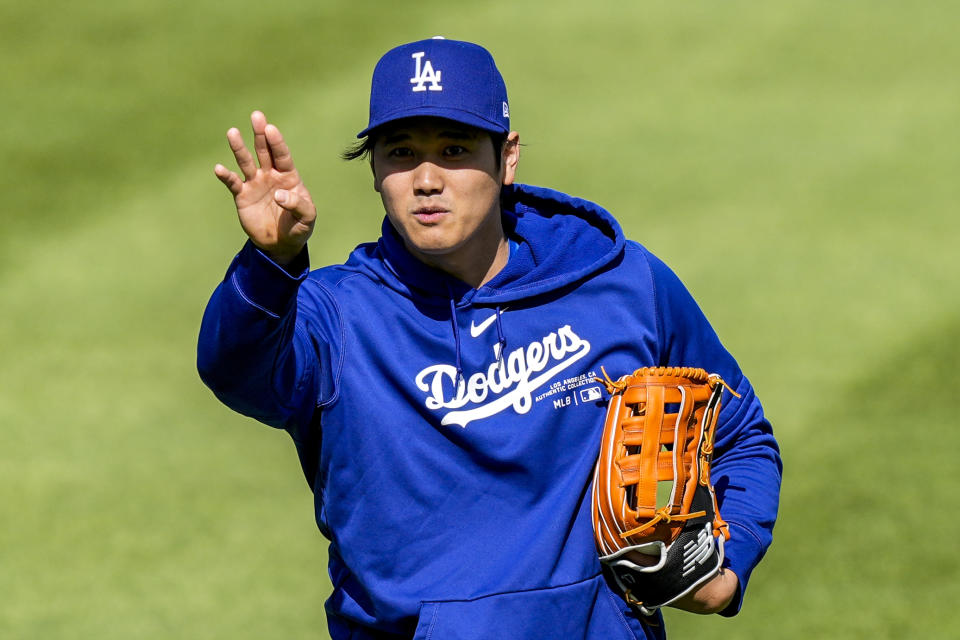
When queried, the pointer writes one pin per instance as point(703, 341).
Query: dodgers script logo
point(508, 382)
point(425, 74)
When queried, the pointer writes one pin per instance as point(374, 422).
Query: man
point(440, 385)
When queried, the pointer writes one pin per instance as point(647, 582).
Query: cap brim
point(446, 113)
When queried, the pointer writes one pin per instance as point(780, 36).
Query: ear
point(510, 158)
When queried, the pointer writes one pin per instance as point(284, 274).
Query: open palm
point(274, 207)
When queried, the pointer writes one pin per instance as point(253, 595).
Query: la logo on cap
point(424, 74)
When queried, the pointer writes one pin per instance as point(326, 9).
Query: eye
point(399, 152)
point(454, 150)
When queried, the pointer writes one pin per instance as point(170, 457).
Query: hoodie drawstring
point(501, 339)
point(456, 338)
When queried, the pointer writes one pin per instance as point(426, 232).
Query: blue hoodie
point(449, 434)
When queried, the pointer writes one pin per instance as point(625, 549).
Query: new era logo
point(424, 73)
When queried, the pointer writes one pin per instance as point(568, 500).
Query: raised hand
point(275, 208)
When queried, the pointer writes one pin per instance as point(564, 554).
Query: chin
point(432, 246)
point(433, 250)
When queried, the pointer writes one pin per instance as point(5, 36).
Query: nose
point(427, 179)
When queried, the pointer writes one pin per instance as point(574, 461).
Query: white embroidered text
point(513, 376)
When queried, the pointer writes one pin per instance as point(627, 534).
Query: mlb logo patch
point(591, 394)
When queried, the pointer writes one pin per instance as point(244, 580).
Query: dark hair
point(363, 148)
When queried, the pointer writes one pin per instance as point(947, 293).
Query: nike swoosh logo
point(477, 329)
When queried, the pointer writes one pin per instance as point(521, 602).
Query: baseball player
point(440, 385)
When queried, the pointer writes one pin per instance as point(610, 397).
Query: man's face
point(440, 185)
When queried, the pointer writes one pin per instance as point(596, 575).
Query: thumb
point(301, 208)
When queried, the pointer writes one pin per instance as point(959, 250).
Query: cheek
point(484, 194)
point(390, 193)
point(394, 204)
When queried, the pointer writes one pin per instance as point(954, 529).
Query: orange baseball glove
point(655, 516)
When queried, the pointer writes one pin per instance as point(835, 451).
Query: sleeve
point(264, 347)
point(747, 468)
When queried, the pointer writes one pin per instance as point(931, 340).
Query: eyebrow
point(451, 134)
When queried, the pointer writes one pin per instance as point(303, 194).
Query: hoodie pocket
point(585, 610)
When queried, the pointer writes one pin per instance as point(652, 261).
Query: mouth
point(430, 215)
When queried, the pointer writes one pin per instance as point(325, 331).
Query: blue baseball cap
point(438, 77)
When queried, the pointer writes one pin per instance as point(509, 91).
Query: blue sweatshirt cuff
point(742, 553)
point(263, 283)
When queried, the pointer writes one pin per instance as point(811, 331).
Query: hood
point(559, 241)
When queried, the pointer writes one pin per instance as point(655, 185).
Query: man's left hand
point(712, 596)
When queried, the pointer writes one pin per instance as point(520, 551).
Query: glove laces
point(691, 373)
point(663, 515)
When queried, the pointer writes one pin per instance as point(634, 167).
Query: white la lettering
point(514, 371)
point(425, 74)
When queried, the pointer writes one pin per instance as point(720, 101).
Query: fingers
point(301, 208)
point(270, 148)
point(259, 122)
point(229, 178)
point(241, 153)
point(282, 160)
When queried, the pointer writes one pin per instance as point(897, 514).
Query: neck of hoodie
point(560, 240)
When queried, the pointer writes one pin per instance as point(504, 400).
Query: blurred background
point(796, 163)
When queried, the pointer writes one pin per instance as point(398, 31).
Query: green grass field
point(796, 163)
